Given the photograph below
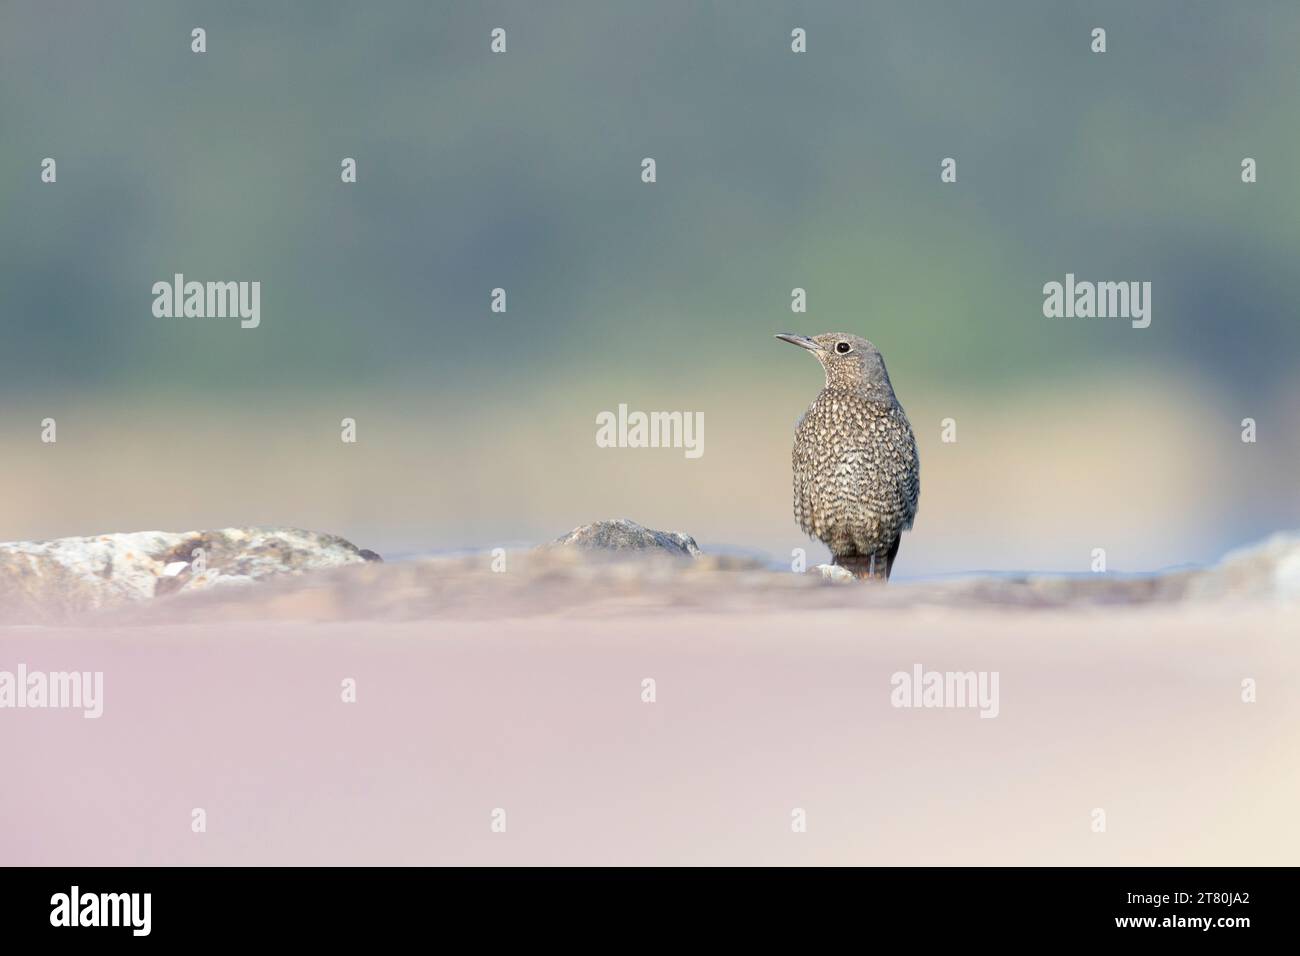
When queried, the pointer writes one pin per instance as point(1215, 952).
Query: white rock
point(835, 573)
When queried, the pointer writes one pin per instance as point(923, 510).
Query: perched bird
point(857, 476)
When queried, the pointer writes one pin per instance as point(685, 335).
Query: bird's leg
point(859, 565)
point(876, 566)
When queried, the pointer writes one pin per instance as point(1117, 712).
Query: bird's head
point(850, 361)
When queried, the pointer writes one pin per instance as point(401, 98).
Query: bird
point(857, 473)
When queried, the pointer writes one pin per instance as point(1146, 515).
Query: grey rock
point(580, 581)
point(116, 575)
point(623, 534)
point(54, 579)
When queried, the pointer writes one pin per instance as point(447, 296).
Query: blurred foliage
point(776, 170)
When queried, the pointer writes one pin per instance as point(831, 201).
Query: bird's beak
point(800, 340)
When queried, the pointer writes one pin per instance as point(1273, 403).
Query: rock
point(53, 579)
point(1269, 570)
point(1264, 572)
point(576, 581)
point(625, 535)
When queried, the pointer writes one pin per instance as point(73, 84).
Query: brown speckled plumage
point(857, 475)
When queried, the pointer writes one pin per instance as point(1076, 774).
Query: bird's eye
point(842, 347)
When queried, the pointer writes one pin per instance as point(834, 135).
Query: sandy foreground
point(763, 706)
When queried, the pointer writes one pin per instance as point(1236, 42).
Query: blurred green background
point(775, 170)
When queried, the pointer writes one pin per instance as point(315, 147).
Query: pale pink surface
point(1134, 711)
